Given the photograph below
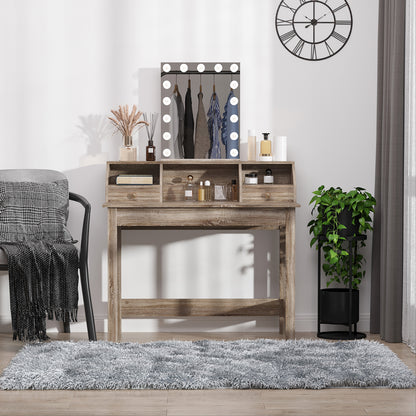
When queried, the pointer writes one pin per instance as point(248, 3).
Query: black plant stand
point(342, 335)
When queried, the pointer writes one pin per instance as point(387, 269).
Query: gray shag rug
point(243, 364)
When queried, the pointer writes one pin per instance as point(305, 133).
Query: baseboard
point(303, 323)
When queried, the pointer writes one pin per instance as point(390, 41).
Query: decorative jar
point(128, 152)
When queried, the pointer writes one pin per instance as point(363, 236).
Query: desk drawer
point(139, 193)
point(266, 193)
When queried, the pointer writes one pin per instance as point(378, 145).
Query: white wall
point(66, 63)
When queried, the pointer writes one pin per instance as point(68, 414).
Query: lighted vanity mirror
point(200, 110)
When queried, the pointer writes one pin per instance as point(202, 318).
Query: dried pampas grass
point(126, 123)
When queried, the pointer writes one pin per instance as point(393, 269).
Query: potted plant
point(338, 217)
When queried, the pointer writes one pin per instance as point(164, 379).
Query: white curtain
point(409, 235)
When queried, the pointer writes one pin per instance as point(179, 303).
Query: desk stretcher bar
point(150, 308)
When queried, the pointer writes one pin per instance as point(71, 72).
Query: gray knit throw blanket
point(43, 264)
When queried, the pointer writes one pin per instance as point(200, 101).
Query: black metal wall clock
point(313, 29)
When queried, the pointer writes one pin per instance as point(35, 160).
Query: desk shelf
point(169, 179)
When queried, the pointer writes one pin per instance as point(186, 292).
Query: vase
point(128, 152)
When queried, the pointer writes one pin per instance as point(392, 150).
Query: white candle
point(251, 147)
point(281, 151)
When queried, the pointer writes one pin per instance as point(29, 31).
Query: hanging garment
point(181, 127)
point(188, 140)
point(173, 128)
point(202, 142)
point(230, 129)
point(214, 125)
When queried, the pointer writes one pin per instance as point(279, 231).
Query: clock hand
point(314, 21)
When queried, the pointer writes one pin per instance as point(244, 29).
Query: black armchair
point(43, 175)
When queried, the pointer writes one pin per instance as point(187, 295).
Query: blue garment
point(230, 128)
point(214, 124)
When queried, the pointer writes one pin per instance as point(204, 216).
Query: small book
point(134, 180)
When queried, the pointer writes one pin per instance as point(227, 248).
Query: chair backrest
point(27, 175)
point(30, 175)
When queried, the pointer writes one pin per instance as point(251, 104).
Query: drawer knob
point(131, 196)
point(267, 196)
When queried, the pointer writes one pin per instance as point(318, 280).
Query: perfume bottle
point(201, 192)
point(189, 189)
point(268, 177)
point(234, 190)
point(207, 185)
point(150, 151)
point(266, 149)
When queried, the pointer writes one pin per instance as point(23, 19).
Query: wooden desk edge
point(193, 205)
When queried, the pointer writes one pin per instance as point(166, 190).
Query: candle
point(281, 151)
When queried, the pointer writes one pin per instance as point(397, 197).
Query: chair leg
point(67, 328)
point(89, 314)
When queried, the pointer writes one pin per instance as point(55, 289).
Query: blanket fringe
point(60, 314)
point(43, 280)
point(36, 327)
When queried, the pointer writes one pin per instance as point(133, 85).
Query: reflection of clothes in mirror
point(180, 137)
point(173, 127)
point(232, 150)
point(188, 140)
point(202, 142)
point(214, 125)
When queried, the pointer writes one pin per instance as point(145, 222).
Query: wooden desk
point(162, 206)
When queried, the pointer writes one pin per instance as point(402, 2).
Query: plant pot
point(335, 306)
point(344, 218)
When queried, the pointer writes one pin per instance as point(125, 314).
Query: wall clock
point(313, 29)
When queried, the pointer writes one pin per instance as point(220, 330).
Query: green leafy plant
point(327, 230)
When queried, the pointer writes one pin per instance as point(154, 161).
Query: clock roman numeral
point(339, 37)
point(329, 49)
point(313, 52)
point(288, 36)
point(339, 7)
point(281, 22)
point(298, 48)
point(284, 4)
point(343, 22)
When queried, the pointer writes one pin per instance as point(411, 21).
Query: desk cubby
point(175, 176)
point(140, 194)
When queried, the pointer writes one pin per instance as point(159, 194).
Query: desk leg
point(114, 277)
point(287, 274)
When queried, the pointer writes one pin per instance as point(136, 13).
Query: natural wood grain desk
point(162, 206)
